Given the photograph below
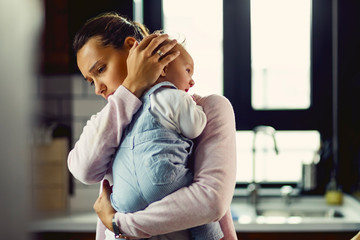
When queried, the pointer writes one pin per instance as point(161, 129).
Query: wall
point(20, 24)
point(84, 104)
point(64, 101)
point(69, 101)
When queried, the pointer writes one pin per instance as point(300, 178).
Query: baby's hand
point(193, 97)
point(196, 98)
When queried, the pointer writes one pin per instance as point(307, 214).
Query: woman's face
point(104, 67)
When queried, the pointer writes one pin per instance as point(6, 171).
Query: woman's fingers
point(169, 57)
point(134, 46)
point(151, 42)
point(146, 60)
point(157, 45)
point(165, 48)
point(146, 40)
point(156, 42)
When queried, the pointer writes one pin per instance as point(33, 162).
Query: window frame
point(237, 72)
point(319, 116)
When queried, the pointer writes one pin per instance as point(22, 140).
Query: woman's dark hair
point(112, 28)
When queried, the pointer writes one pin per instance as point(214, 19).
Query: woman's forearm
point(91, 156)
point(208, 198)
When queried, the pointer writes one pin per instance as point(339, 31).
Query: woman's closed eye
point(91, 82)
point(101, 69)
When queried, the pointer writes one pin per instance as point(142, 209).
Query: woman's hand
point(103, 208)
point(146, 61)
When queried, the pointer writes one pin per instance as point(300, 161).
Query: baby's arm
point(92, 154)
point(177, 110)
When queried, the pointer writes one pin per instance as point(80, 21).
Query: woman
point(138, 66)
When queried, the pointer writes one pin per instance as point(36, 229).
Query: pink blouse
point(207, 199)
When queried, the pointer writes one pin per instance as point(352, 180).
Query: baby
point(153, 157)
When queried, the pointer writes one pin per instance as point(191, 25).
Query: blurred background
point(290, 65)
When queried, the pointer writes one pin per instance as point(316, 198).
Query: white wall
point(84, 104)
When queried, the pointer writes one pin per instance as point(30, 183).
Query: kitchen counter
point(302, 215)
point(244, 220)
point(70, 222)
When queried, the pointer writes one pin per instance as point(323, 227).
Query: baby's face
point(180, 71)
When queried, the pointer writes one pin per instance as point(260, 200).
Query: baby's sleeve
point(177, 110)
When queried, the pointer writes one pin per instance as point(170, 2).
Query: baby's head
point(180, 71)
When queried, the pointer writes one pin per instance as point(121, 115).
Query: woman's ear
point(129, 42)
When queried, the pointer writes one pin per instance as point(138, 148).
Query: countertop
point(86, 222)
point(66, 222)
point(246, 219)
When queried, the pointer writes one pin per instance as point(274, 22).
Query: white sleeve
point(176, 109)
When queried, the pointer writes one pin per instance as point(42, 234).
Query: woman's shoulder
point(217, 108)
point(217, 98)
point(214, 102)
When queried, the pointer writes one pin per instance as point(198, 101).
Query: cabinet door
point(50, 177)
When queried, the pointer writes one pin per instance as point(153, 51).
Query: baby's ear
point(164, 71)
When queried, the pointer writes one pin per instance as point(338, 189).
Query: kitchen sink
point(327, 213)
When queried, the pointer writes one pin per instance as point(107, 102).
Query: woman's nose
point(99, 89)
point(192, 83)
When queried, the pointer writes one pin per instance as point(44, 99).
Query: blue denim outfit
point(151, 163)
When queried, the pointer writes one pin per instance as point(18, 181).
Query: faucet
point(253, 188)
point(286, 192)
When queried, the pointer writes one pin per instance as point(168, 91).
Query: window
point(203, 35)
point(277, 72)
point(235, 54)
point(298, 93)
point(294, 149)
point(280, 54)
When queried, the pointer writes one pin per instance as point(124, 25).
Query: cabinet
point(55, 55)
point(50, 177)
point(63, 18)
